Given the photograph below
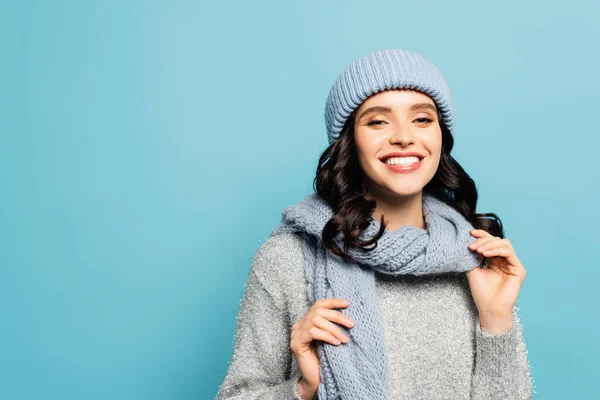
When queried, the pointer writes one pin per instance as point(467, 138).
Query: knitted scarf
point(358, 369)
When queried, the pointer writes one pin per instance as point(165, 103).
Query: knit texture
point(433, 339)
point(359, 369)
point(381, 70)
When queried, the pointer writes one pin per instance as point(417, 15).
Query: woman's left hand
point(495, 289)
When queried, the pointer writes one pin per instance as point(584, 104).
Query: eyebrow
point(383, 109)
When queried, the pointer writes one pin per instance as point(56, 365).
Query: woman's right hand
point(317, 324)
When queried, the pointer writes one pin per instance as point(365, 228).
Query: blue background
point(147, 148)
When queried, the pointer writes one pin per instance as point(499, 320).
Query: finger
point(336, 316)
point(491, 243)
point(327, 326)
point(479, 233)
point(316, 333)
point(508, 242)
point(506, 252)
point(333, 302)
point(481, 241)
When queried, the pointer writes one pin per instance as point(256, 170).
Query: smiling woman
point(374, 177)
point(393, 120)
point(391, 237)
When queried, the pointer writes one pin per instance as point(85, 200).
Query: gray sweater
point(434, 342)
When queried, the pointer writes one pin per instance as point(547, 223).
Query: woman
point(385, 283)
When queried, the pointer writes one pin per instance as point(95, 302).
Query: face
point(397, 121)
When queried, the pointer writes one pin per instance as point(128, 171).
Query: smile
point(404, 169)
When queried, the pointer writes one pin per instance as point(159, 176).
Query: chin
point(404, 191)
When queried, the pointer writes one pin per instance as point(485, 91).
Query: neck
point(399, 211)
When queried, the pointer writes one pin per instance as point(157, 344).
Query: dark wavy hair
point(339, 181)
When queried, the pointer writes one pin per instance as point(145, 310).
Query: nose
point(402, 135)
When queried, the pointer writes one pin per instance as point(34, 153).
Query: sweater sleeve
point(260, 367)
point(501, 369)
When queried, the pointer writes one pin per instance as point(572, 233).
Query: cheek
point(435, 151)
point(365, 147)
point(434, 144)
point(370, 141)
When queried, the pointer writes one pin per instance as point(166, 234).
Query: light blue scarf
point(357, 370)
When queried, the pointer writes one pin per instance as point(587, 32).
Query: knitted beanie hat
point(381, 70)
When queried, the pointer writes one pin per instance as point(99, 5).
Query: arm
point(501, 370)
point(261, 362)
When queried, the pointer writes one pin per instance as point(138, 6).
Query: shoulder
point(277, 251)
point(279, 265)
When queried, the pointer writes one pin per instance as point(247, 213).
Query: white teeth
point(402, 160)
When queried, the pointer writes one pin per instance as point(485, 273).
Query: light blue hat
point(381, 70)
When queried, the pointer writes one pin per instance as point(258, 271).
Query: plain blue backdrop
point(147, 148)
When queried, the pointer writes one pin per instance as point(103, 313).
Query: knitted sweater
point(433, 340)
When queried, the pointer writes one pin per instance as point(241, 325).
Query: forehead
point(398, 97)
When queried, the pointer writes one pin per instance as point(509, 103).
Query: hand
point(495, 289)
point(316, 325)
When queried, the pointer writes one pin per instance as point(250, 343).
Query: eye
point(375, 122)
point(424, 119)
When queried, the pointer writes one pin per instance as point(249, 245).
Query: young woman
point(384, 283)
